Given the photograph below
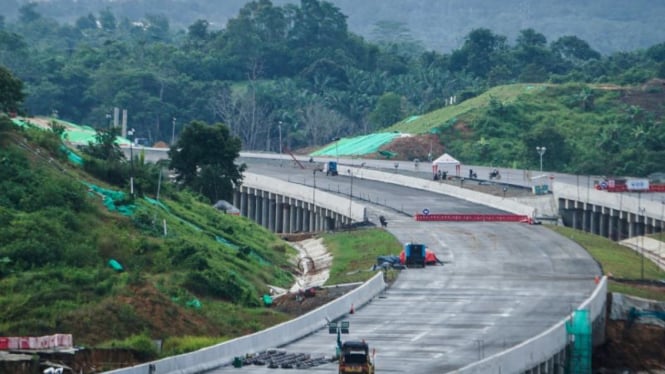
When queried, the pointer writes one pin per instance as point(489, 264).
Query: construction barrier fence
point(473, 217)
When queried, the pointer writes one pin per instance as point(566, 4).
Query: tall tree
point(204, 160)
point(533, 56)
point(573, 49)
point(479, 52)
point(107, 20)
point(388, 110)
point(255, 40)
point(28, 13)
point(11, 91)
point(105, 146)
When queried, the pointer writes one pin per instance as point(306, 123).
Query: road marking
point(419, 336)
point(441, 242)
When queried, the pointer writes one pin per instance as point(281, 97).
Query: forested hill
point(295, 76)
point(608, 25)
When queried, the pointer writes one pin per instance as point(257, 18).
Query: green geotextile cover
point(580, 328)
point(85, 134)
point(111, 198)
point(253, 254)
point(218, 239)
point(20, 123)
point(115, 265)
point(73, 157)
point(74, 133)
point(357, 146)
point(158, 203)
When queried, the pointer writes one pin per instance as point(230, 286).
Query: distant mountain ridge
point(607, 25)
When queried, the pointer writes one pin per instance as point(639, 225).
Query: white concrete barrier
point(540, 348)
point(222, 354)
point(507, 205)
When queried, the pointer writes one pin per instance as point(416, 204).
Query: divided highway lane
point(502, 283)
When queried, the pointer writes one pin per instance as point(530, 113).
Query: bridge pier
point(284, 214)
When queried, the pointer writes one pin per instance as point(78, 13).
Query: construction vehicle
point(331, 168)
point(355, 358)
point(353, 355)
point(415, 255)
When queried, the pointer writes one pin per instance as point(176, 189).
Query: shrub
point(185, 344)
point(142, 344)
point(222, 284)
point(6, 124)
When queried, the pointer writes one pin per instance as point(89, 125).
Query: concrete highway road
point(515, 177)
point(501, 284)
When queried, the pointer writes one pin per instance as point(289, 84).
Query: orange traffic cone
point(352, 310)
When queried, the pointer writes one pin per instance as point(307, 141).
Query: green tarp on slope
point(73, 157)
point(111, 198)
point(73, 132)
point(356, 146)
point(19, 122)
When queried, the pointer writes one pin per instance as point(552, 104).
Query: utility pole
point(130, 135)
point(173, 132)
point(541, 152)
point(279, 126)
point(350, 191)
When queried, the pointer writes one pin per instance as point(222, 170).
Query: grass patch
point(616, 260)
point(142, 344)
point(355, 252)
point(628, 289)
point(185, 344)
point(658, 236)
point(448, 114)
point(619, 262)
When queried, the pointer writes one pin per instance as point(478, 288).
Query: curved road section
point(501, 284)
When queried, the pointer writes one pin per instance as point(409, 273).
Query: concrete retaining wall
point(222, 354)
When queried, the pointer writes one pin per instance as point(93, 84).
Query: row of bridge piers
point(284, 214)
point(611, 223)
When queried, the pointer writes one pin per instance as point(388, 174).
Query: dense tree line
point(294, 67)
point(608, 25)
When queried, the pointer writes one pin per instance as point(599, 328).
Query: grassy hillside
point(629, 273)
point(449, 115)
point(587, 129)
point(188, 269)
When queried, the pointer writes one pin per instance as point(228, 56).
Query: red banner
point(36, 342)
point(473, 217)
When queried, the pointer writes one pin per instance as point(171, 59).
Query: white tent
point(445, 163)
point(445, 160)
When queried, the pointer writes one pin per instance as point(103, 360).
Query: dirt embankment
point(631, 349)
